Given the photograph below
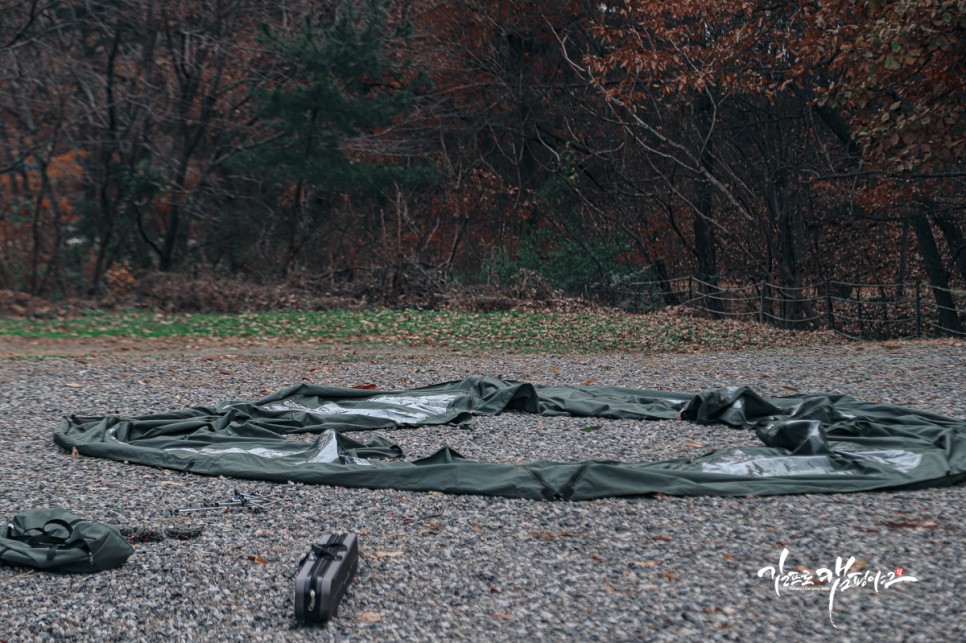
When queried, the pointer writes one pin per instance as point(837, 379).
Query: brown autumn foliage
point(578, 147)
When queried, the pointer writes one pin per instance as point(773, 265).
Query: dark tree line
point(587, 144)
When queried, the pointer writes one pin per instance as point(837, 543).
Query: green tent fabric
point(811, 443)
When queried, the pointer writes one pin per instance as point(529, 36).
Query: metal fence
point(857, 311)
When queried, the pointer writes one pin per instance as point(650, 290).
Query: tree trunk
point(953, 232)
point(938, 275)
point(704, 237)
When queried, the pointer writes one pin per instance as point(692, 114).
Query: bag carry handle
point(47, 537)
point(329, 550)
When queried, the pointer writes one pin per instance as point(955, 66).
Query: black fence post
point(918, 309)
point(829, 318)
point(761, 303)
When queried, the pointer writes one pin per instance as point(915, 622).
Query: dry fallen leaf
point(369, 617)
point(431, 528)
point(645, 563)
point(74, 453)
point(367, 387)
point(790, 389)
point(501, 615)
point(74, 385)
point(544, 534)
point(694, 444)
point(909, 524)
point(589, 382)
point(381, 553)
point(258, 559)
point(669, 575)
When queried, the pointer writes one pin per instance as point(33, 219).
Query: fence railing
point(854, 310)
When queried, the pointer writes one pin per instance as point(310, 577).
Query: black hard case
point(324, 574)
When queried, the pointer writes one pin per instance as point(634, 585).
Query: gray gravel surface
point(440, 567)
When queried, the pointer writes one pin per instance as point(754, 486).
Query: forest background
point(393, 151)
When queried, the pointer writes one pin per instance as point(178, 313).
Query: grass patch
point(514, 332)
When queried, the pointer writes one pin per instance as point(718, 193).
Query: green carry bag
point(57, 540)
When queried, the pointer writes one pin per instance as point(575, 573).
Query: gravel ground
point(440, 567)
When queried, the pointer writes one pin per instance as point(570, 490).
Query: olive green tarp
point(811, 443)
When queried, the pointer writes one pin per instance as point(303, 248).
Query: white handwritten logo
point(842, 577)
